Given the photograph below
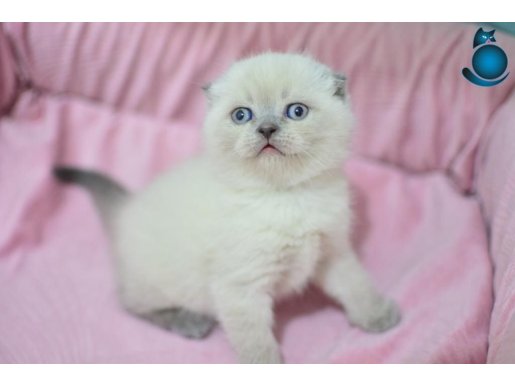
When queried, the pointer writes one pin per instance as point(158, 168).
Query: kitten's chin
point(266, 166)
point(271, 169)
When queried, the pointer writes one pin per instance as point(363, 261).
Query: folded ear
point(207, 88)
point(340, 83)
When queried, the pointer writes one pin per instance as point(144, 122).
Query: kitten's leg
point(247, 317)
point(343, 278)
point(182, 321)
point(141, 301)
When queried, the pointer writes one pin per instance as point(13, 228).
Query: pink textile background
point(496, 185)
point(7, 74)
point(126, 99)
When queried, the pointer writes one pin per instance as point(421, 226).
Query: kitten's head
point(482, 37)
point(278, 118)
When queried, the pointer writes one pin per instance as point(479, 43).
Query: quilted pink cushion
point(496, 184)
point(7, 74)
point(125, 99)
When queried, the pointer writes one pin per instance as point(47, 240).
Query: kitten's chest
point(295, 263)
point(290, 231)
point(297, 215)
point(279, 236)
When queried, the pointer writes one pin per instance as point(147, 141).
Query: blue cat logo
point(489, 61)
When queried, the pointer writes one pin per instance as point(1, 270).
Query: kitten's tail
point(107, 194)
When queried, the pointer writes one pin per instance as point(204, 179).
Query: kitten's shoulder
point(190, 171)
point(184, 182)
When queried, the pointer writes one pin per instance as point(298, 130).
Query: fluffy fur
point(228, 233)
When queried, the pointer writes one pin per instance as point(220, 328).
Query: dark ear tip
point(340, 81)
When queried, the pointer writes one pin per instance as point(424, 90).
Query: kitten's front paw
point(376, 316)
point(262, 355)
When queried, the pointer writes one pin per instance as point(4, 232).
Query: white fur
point(233, 230)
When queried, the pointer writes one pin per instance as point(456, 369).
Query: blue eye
point(241, 115)
point(297, 111)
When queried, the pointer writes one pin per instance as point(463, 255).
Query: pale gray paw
point(182, 321)
point(378, 316)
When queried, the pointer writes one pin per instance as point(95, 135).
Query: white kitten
point(261, 213)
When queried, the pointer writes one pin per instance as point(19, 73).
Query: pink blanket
point(433, 174)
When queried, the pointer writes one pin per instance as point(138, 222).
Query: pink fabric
point(125, 99)
point(7, 73)
point(496, 184)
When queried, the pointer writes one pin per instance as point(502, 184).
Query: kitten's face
point(279, 117)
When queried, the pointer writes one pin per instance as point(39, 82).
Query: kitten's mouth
point(270, 149)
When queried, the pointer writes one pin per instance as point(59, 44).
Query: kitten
point(261, 213)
